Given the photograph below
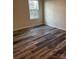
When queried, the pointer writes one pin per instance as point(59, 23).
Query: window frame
point(38, 12)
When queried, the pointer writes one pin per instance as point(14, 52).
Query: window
point(34, 9)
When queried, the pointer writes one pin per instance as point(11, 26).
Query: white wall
point(55, 13)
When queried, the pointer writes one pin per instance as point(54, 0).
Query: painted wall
point(55, 13)
point(21, 15)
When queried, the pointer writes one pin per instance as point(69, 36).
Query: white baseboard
point(21, 28)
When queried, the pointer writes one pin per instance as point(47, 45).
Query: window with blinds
point(34, 9)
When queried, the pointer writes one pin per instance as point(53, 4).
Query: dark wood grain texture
point(42, 42)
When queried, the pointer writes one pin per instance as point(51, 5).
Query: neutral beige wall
point(21, 15)
point(55, 13)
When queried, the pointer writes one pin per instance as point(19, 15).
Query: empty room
point(39, 29)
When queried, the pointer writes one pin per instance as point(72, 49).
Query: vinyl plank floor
point(42, 42)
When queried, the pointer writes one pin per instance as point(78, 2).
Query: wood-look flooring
point(42, 42)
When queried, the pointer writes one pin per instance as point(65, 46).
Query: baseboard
point(64, 29)
point(23, 29)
